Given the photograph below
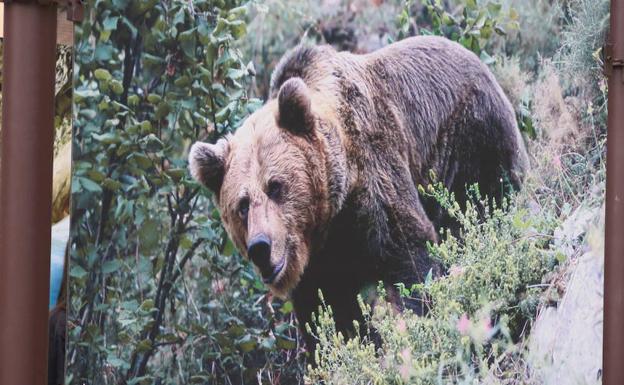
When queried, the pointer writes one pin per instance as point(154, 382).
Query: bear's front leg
point(339, 293)
point(401, 242)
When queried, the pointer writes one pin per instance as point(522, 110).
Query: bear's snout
point(259, 251)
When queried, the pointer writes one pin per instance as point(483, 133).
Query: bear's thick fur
point(319, 186)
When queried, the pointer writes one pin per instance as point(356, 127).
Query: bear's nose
point(259, 251)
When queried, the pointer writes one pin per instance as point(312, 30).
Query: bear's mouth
point(278, 269)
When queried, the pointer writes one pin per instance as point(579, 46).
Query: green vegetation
point(157, 292)
point(159, 296)
point(475, 313)
point(503, 269)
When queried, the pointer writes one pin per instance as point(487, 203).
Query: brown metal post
point(26, 188)
point(613, 343)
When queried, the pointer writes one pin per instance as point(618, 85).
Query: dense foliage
point(475, 313)
point(157, 291)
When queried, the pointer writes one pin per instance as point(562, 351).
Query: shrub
point(474, 24)
point(552, 115)
point(349, 25)
point(539, 33)
point(582, 38)
point(476, 313)
point(157, 293)
point(515, 83)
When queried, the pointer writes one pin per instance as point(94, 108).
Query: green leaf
point(494, 8)
point(151, 143)
point(429, 278)
point(513, 14)
point(237, 13)
point(162, 110)
point(144, 346)
point(182, 81)
point(107, 138)
point(153, 98)
point(179, 16)
point(268, 343)
point(110, 23)
point(238, 28)
point(186, 243)
point(236, 330)
point(142, 160)
point(228, 249)
point(287, 307)
point(152, 60)
point(246, 343)
point(149, 235)
point(236, 74)
point(116, 87)
point(147, 305)
point(287, 343)
point(487, 59)
point(102, 74)
point(133, 100)
point(111, 266)
point(89, 185)
point(103, 52)
point(188, 43)
point(77, 271)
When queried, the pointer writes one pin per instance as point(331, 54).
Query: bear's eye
point(274, 189)
point(243, 208)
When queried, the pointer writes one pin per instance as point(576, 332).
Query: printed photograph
point(334, 192)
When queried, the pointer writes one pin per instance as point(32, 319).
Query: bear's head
point(270, 184)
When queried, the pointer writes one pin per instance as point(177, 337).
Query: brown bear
point(319, 187)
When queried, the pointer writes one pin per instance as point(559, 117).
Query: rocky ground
point(566, 342)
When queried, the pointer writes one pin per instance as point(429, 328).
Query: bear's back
point(425, 97)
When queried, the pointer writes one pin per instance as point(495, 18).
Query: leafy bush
point(157, 293)
point(582, 40)
point(476, 312)
point(275, 26)
point(278, 25)
point(539, 32)
point(474, 24)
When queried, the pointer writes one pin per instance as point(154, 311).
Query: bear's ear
point(295, 107)
point(207, 163)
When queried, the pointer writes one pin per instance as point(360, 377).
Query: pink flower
point(404, 371)
point(455, 271)
point(218, 286)
point(401, 326)
point(487, 324)
point(406, 355)
point(405, 368)
point(463, 324)
point(556, 161)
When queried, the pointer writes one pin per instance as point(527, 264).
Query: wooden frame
point(30, 32)
point(613, 335)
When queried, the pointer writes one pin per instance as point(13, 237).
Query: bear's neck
point(336, 166)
